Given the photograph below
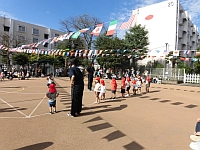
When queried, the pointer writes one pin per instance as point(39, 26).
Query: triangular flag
point(97, 30)
point(112, 27)
point(76, 35)
point(69, 35)
point(176, 53)
point(84, 30)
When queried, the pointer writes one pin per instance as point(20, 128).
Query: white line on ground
point(37, 106)
point(13, 107)
point(12, 117)
point(39, 115)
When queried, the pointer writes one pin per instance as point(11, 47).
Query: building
point(170, 28)
point(22, 33)
point(26, 33)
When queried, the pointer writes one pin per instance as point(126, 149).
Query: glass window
point(35, 31)
point(46, 36)
point(22, 29)
point(35, 40)
point(6, 28)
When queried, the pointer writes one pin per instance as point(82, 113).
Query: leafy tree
point(136, 42)
point(20, 58)
point(112, 51)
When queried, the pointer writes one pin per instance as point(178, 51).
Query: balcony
point(180, 21)
point(180, 34)
point(184, 16)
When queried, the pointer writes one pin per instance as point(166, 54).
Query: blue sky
point(48, 13)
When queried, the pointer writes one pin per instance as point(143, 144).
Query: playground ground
point(160, 120)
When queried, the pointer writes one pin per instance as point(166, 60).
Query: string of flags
point(97, 53)
point(74, 35)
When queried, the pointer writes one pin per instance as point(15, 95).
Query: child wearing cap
point(103, 90)
point(123, 86)
point(97, 90)
point(113, 88)
point(51, 95)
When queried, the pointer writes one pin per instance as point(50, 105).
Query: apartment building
point(26, 33)
point(170, 28)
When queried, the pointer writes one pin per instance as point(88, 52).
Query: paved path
point(160, 120)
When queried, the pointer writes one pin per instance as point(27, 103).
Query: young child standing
point(50, 79)
point(139, 84)
point(97, 90)
point(51, 95)
point(113, 88)
point(135, 88)
point(148, 80)
point(123, 86)
point(127, 82)
point(103, 90)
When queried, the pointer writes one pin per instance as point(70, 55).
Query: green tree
point(112, 52)
point(20, 59)
point(136, 42)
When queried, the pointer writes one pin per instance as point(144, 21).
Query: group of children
point(100, 87)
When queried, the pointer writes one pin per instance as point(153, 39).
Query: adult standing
point(77, 87)
point(90, 71)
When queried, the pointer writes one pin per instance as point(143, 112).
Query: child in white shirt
point(103, 90)
point(97, 90)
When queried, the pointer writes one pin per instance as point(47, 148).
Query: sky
point(49, 13)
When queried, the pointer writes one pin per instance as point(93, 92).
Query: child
point(113, 88)
point(2, 75)
point(135, 88)
point(123, 86)
point(50, 79)
point(103, 90)
point(147, 83)
point(139, 84)
point(52, 94)
point(97, 90)
point(127, 82)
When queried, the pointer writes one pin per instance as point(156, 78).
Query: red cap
point(102, 82)
point(98, 78)
point(52, 88)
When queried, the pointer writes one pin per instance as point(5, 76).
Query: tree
point(9, 41)
point(81, 22)
point(20, 58)
point(136, 42)
point(112, 51)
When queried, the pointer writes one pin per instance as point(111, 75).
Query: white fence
point(191, 78)
point(174, 74)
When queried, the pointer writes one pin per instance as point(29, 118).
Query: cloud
point(7, 15)
point(193, 7)
point(47, 12)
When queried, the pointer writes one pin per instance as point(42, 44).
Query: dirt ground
point(160, 120)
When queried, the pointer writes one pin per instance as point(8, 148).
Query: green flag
point(75, 35)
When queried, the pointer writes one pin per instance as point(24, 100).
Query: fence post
point(163, 73)
point(184, 76)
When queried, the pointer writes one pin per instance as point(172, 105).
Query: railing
point(191, 78)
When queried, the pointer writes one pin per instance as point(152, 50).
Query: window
point(35, 40)
point(22, 29)
point(6, 28)
point(46, 36)
point(35, 31)
point(56, 35)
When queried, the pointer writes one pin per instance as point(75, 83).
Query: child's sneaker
point(50, 112)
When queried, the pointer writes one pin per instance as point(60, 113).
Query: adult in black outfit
point(90, 71)
point(77, 87)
